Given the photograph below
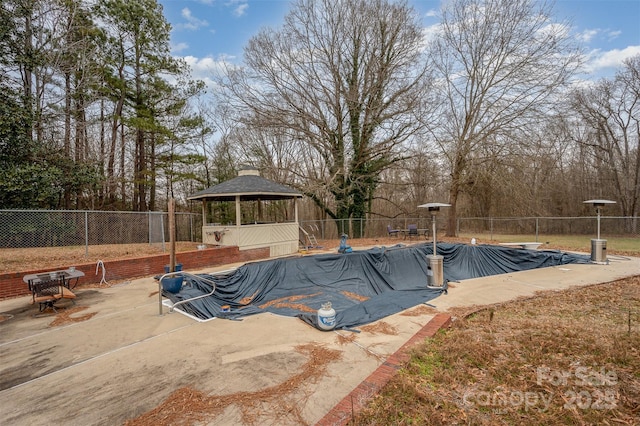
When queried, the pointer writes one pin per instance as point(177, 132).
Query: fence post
point(536, 229)
point(149, 225)
point(162, 228)
point(491, 228)
point(191, 225)
point(86, 234)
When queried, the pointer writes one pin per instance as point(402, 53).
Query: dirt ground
point(26, 259)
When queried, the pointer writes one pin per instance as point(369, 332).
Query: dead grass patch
point(296, 306)
point(247, 300)
point(354, 296)
point(64, 317)
point(110, 283)
point(345, 339)
point(287, 302)
point(380, 327)
point(419, 310)
point(562, 357)
point(187, 406)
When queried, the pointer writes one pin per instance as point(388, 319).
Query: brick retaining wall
point(11, 284)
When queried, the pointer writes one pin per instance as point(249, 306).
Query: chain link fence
point(330, 229)
point(612, 226)
point(57, 228)
point(628, 227)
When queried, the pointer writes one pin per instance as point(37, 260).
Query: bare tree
point(501, 62)
point(340, 82)
point(610, 112)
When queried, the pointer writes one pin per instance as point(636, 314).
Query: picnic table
point(415, 232)
point(47, 288)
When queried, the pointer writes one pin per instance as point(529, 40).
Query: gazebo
point(265, 214)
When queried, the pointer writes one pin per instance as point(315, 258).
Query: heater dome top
point(433, 206)
point(599, 203)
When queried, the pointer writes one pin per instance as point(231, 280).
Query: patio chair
point(47, 293)
point(392, 232)
point(412, 231)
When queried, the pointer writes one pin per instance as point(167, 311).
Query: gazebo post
point(238, 212)
point(238, 219)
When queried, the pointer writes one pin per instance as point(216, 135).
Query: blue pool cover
point(362, 286)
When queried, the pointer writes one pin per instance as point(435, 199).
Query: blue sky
point(206, 32)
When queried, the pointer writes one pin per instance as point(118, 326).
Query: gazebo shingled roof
point(249, 187)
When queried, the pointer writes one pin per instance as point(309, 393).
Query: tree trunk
point(152, 173)
point(27, 72)
point(123, 175)
point(67, 129)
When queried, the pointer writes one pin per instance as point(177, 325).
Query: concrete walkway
point(127, 359)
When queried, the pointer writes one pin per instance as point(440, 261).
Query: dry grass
point(64, 317)
point(344, 339)
point(565, 357)
point(420, 310)
point(188, 406)
point(354, 296)
point(27, 259)
point(287, 302)
point(380, 327)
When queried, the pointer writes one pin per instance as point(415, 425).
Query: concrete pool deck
point(127, 359)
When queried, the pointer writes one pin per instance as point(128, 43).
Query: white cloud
point(205, 68)
point(241, 9)
point(431, 13)
point(179, 47)
point(192, 23)
point(598, 60)
point(557, 29)
point(612, 35)
point(430, 33)
point(587, 35)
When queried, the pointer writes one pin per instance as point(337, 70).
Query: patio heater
point(598, 246)
point(435, 263)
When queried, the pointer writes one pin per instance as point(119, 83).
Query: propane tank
point(326, 317)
